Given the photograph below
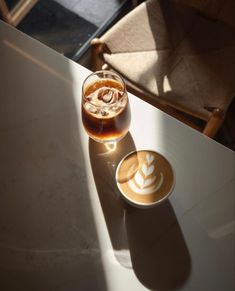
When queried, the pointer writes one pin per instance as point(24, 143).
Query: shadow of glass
point(159, 254)
point(104, 164)
point(48, 238)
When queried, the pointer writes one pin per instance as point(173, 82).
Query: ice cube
point(115, 108)
point(102, 98)
point(90, 108)
point(104, 112)
point(105, 94)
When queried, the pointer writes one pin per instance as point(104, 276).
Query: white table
point(63, 225)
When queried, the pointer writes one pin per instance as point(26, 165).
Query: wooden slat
point(19, 11)
point(5, 11)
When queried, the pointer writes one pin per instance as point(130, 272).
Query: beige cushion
point(134, 32)
point(146, 69)
point(186, 60)
point(152, 25)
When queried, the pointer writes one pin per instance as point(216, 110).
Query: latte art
point(145, 178)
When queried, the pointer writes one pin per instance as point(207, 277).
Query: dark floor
point(59, 28)
point(68, 25)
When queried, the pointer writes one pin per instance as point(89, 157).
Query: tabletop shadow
point(104, 163)
point(148, 240)
point(159, 254)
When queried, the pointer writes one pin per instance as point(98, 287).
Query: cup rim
point(141, 204)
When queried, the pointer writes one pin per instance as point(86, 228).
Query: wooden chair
point(174, 57)
point(15, 15)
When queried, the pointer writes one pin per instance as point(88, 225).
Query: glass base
point(108, 141)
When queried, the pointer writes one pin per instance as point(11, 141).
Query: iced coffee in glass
point(105, 107)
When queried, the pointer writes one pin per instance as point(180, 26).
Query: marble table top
point(63, 223)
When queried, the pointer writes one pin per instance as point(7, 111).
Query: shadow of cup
point(159, 254)
point(104, 162)
point(148, 240)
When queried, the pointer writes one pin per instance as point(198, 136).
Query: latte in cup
point(145, 178)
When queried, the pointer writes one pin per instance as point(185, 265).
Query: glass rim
point(103, 72)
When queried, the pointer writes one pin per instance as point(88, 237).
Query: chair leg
point(5, 12)
point(214, 123)
point(97, 47)
point(18, 12)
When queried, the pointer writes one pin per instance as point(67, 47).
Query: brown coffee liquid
point(111, 123)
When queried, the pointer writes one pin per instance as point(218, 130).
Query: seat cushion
point(148, 70)
point(134, 32)
point(185, 60)
point(152, 25)
point(209, 50)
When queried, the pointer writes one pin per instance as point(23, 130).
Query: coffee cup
point(145, 178)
